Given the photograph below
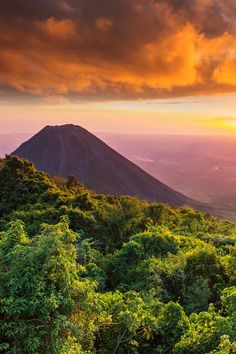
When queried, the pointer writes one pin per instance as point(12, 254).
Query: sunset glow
point(77, 60)
point(195, 116)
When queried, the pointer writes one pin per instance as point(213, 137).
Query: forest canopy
point(87, 273)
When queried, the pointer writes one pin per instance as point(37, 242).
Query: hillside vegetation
point(87, 273)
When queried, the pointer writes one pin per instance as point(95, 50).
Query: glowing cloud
point(72, 50)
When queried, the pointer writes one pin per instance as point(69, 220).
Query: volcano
point(72, 150)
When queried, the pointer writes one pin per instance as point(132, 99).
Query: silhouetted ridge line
point(72, 150)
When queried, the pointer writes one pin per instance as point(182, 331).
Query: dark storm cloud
point(124, 49)
point(30, 10)
point(211, 17)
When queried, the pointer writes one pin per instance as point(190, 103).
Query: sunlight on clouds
point(122, 50)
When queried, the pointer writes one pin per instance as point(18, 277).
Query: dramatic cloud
point(103, 49)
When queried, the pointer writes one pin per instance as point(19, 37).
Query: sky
point(129, 66)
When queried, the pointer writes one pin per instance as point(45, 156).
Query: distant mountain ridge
point(72, 150)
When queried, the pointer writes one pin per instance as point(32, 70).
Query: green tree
point(41, 293)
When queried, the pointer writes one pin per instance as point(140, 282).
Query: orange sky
point(199, 115)
point(103, 63)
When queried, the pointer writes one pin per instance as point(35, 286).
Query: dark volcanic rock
point(71, 150)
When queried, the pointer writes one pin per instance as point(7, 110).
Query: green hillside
point(87, 273)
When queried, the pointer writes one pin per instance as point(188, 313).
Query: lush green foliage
point(86, 273)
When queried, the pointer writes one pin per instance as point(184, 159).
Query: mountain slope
point(72, 150)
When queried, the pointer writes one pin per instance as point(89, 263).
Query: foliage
point(86, 273)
